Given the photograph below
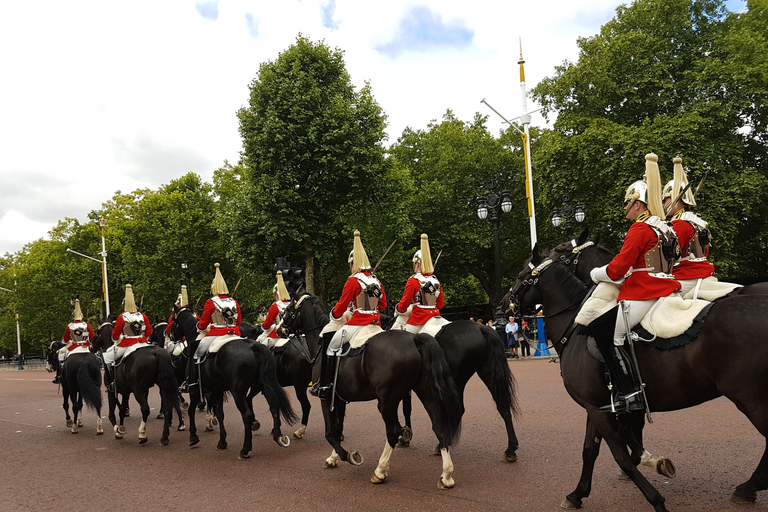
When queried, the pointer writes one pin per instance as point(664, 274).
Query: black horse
point(294, 368)
point(681, 377)
point(392, 364)
point(244, 368)
point(158, 338)
point(80, 382)
point(472, 348)
point(135, 374)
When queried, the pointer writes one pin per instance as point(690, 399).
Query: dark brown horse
point(243, 368)
point(80, 383)
point(135, 374)
point(681, 377)
point(391, 365)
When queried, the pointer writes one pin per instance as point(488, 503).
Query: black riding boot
point(625, 390)
point(191, 372)
point(57, 378)
point(109, 376)
point(322, 388)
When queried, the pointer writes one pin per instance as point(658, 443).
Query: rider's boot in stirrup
point(322, 388)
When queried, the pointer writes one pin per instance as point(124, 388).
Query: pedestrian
point(512, 333)
point(489, 323)
point(480, 320)
point(525, 347)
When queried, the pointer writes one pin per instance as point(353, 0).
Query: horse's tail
point(266, 377)
point(166, 382)
point(446, 409)
point(89, 383)
point(503, 386)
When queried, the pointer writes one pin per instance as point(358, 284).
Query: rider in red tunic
point(221, 316)
point(423, 296)
point(691, 231)
point(644, 265)
point(77, 335)
point(275, 312)
point(130, 328)
point(361, 299)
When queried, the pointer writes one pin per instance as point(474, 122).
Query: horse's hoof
point(164, 441)
point(181, 428)
point(330, 465)
point(79, 423)
point(160, 416)
point(437, 451)
point(284, 441)
point(73, 430)
point(441, 484)
point(667, 468)
point(99, 432)
point(401, 443)
point(567, 505)
point(121, 429)
point(208, 427)
point(118, 435)
point(509, 458)
point(214, 423)
point(407, 434)
point(376, 480)
point(193, 440)
point(623, 477)
point(184, 406)
point(142, 440)
point(127, 412)
point(742, 500)
point(70, 423)
point(255, 425)
point(297, 436)
point(246, 455)
point(355, 458)
point(222, 445)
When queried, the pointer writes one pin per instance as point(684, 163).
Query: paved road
point(44, 467)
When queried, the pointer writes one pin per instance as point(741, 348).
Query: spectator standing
point(525, 333)
point(512, 333)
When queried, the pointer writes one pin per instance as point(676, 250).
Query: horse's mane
point(573, 287)
point(318, 309)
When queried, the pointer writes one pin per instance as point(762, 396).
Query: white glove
point(600, 275)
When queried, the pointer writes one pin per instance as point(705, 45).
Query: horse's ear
point(584, 236)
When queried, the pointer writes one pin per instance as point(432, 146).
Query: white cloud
point(105, 96)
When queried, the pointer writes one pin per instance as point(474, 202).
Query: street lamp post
point(16, 316)
point(103, 261)
point(566, 211)
point(491, 204)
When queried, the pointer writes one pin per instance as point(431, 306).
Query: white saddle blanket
point(670, 317)
point(220, 341)
point(433, 325)
point(365, 333)
point(133, 348)
point(711, 289)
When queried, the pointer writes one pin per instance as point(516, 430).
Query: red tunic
point(640, 285)
point(272, 314)
point(84, 343)
point(419, 315)
point(127, 341)
point(205, 320)
point(689, 269)
point(349, 294)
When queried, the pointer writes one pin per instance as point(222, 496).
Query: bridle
point(576, 253)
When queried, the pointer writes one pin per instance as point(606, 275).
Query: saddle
point(130, 350)
point(220, 341)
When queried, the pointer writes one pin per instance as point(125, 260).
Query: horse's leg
point(640, 455)
point(405, 438)
point(194, 398)
point(181, 417)
point(334, 429)
point(217, 400)
point(747, 492)
point(503, 405)
point(168, 419)
point(277, 434)
point(141, 398)
point(245, 407)
point(388, 410)
point(301, 395)
point(65, 392)
point(77, 406)
point(607, 426)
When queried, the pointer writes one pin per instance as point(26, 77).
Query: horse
point(580, 255)
point(472, 348)
point(392, 364)
point(80, 382)
point(135, 374)
point(674, 379)
point(244, 368)
point(294, 368)
point(158, 338)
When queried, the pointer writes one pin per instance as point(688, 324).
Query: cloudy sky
point(100, 96)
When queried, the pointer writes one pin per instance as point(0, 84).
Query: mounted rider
point(275, 313)
point(643, 268)
point(77, 337)
point(692, 233)
point(358, 308)
point(171, 343)
point(423, 296)
point(221, 316)
point(131, 328)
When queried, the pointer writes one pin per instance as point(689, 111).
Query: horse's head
point(303, 315)
point(52, 359)
point(581, 255)
point(102, 338)
point(184, 323)
point(158, 333)
point(523, 292)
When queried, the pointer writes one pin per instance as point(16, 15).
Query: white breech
point(637, 310)
point(63, 354)
point(345, 334)
point(113, 354)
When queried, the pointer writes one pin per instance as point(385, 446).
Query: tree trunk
point(309, 271)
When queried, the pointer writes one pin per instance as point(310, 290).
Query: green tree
point(671, 77)
point(314, 168)
point(450, 163)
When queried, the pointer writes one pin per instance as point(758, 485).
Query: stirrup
point(621, 404)
point(315, 389)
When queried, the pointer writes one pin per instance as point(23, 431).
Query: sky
point(104, 96)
